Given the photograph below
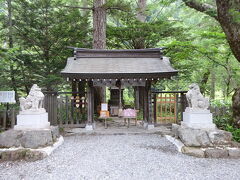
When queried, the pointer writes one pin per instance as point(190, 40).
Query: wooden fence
point(8, 118)
point(66, 109)
point(69, 109)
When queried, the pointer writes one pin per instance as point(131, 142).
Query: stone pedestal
point(148, 126)
point(198, 119)
point(32, 121)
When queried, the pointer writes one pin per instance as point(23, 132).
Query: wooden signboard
point(104, 107)
point(104, 113)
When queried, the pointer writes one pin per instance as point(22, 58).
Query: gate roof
point(107, 64)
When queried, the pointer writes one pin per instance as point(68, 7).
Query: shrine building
point(118, 69)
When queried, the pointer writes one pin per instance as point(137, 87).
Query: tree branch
point(78, 7)
point(202, 7)
point(117, 8)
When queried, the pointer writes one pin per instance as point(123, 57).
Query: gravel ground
point(120, 157)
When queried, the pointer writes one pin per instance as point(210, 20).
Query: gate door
point(166, 108)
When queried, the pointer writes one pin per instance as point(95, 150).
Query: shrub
point(222, 113)
point(235, 132)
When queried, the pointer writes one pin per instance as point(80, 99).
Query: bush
point(140, 115)
point(235, 132)
point(223, 121)
point(223, 116)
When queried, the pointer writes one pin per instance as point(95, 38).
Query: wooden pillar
point(137, 99)
point(155, 108)
point(141, 97)
point(147, 103)
point(120, 97)
point(149, 118)
point(74, 86)
point(90, 105)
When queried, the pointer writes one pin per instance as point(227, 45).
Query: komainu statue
point(34, 101)
point(195, 98)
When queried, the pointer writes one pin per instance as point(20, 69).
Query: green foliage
point(134, 34)
point(235, 132)
point(223, 121)
point(223, 116)
point(128, 97)
point(128, 32)
point(74, 114)
point(42, 30)
point(140, 115)
point(235, 14)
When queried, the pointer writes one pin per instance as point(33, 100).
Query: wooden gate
point(166, 108)
point(169, 106)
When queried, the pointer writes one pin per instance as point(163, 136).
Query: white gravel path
point(120, 157)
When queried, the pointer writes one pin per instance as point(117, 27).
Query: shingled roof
point(107, 64)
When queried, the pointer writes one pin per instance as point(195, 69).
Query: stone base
point(201, 137)
point(29, 138)
point(198, 119)
point(199, 125)
point(145, 125)
point(89, 127)
point(204, 142)
point(28, 154)
point(32, 121)
point(148, 126)
point(216, 151)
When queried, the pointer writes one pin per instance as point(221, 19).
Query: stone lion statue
point(195, 98)
point(34, 100)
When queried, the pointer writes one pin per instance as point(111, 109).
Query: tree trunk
point(99, 25)
point(10, 44)
point(235, 107)
point(141, 16)
point(204, 81)
point(213, 85)
point(139, 43)
point(230, 23)
point(99, 42)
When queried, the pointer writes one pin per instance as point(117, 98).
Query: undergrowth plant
point(235, 132)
